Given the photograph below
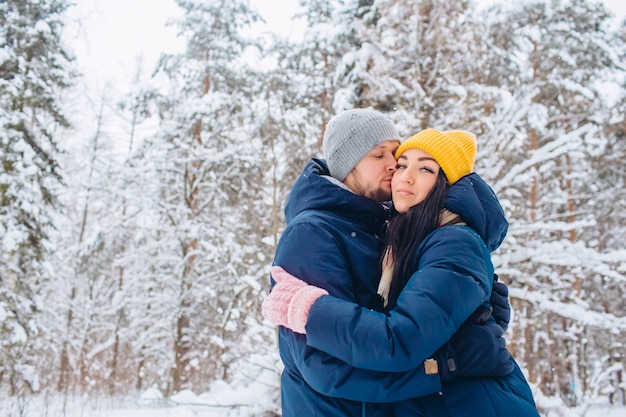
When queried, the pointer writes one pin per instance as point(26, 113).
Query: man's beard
point(379, 195)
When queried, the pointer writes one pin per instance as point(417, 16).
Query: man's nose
point(391, 163)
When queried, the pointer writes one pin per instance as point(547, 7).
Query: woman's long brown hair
point(407, 230)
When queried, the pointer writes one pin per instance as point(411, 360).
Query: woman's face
point(416, 174)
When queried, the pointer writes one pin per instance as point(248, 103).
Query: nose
point(391, 163)
point(405, 176)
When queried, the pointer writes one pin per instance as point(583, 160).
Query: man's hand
point(481, 351)
point(500, 303)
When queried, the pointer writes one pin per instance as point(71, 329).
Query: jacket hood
point(474, 200)
point(315, 190)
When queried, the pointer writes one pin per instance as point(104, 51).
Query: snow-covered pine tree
point(429, 66)
point(204, 185)
point(101, 211)
point(308, 65)
point(553, 57)
point(609, 208)
point(423, 62)
point(34, 68)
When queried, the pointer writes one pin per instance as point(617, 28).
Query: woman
point(437, 271)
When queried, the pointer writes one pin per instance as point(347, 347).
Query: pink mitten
point(275, 307)
point(300, 306)
point(290, 300)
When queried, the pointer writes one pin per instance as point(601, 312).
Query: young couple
point(389, 316)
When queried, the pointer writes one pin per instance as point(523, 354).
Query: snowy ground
point(255, 402)
point(253, 391)
point(225, 403)
point(207, 411)
point(256, 399)
point(194, 411)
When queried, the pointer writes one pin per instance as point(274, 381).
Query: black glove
point(480, 316)
point(500, 303)
point(481, 350)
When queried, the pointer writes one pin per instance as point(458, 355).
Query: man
point(335, 219)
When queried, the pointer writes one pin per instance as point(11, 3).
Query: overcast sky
point(109, 35)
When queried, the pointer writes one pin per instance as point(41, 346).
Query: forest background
point(136, 242)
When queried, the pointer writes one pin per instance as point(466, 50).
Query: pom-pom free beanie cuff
point(350, 135)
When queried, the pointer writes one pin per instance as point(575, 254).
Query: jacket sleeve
point(335, 378)
point(311, 253)
point(453, 278)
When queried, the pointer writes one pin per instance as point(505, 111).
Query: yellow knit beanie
point(454, 150)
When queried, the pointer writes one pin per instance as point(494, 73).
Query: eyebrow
point(420, 159)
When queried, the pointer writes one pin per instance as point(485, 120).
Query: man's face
point(371, 177)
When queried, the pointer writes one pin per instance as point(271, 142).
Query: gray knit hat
point(350, 135)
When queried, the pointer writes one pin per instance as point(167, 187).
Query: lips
point(403, 192)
